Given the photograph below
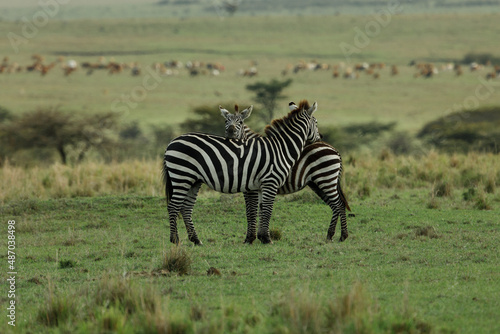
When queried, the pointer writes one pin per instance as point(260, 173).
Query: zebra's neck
point(290, 131)
point(249, 133)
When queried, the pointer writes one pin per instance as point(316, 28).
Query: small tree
point(207, 120)
point(268, 94)
point(231, 6)
point(51, 128)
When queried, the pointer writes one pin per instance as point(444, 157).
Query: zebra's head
point(313, 134)
point(234, 125)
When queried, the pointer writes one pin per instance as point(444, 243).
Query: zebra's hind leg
point(333, 225)
point(252, 206)
point(338, 210)
point(187, 211)
point(343, 224)
point(173, 211)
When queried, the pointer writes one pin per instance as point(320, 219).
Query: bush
point(465, 131)
point(207, 120)
point(354, 136)
point(400, 143)
point(480, 58)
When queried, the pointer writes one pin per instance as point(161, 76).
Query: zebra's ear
point(246, 113)
point(223, 112)
point(311, 110)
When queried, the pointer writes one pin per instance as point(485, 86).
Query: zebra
point(319, 167)
point(258, 167)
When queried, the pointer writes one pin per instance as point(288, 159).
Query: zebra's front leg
point(266, 202)
point(252, 205)
point(187, 211)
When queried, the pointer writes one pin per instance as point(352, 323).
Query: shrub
point(465, 131)
point(400, 143)
point(480, 58)
point(354, 136)
point(207, 119)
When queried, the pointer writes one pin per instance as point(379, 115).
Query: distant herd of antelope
point(195, 68)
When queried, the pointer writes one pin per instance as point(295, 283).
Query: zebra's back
point(319, 163)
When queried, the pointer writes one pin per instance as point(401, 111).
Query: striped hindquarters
point(320, 167)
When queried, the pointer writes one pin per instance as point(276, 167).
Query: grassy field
point(78, 9)
point(404, 267)
point(92, 238)
point(422, 253)
point(272, 43)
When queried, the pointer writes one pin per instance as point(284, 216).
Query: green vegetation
point(464, 131)
point(269, 96)
point(236, 42)
point(96, 264)
point(440, 174)
point(92, 250)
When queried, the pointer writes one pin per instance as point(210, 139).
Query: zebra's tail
point(166, 181)
point(342, 196)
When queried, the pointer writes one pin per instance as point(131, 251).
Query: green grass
point(433, 267)
point(273, 43)
point(78, 9)
point(422, 252)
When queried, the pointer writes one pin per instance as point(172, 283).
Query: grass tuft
point(426, 231)
point(275, 234)
point(469, 194)
point(433, 203)
point(64, 264)
point(56, 309)
point(177, 260)
point(442, 189)
point(482, 203)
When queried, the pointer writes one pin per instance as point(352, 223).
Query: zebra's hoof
point(266, 240)
point(198, 243)
point(250, 239)
point(343, 236)
point(174, 240)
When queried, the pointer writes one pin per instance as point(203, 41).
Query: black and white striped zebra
point(258, 167)
point(319, 167)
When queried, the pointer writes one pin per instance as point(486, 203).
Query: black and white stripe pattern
point(258, 167)
point(319, 167)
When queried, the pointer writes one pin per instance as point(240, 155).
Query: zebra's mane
point(277, 124)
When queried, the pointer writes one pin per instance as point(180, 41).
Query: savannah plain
point(92, 252)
